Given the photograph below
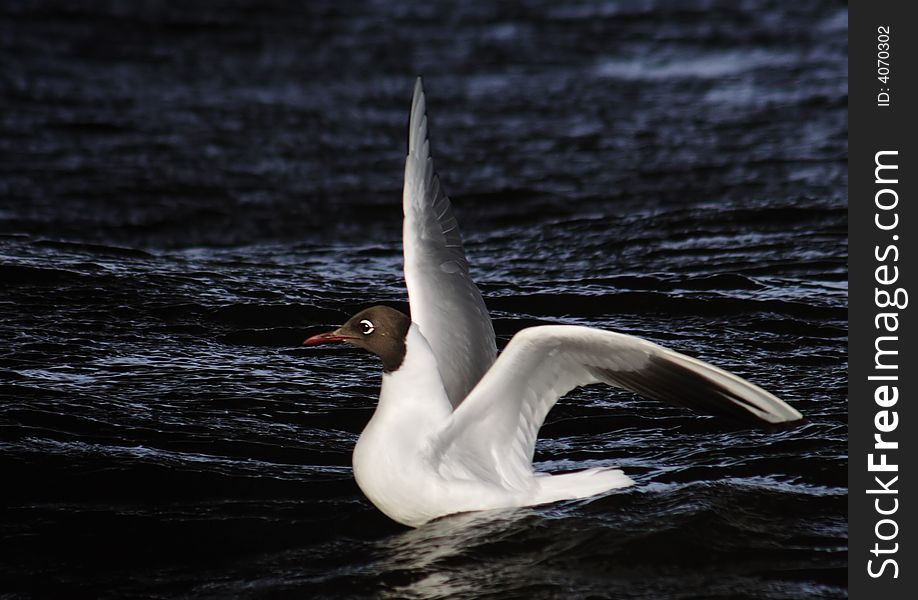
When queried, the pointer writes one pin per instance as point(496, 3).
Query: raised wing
point(492, 435)
point(445, 303)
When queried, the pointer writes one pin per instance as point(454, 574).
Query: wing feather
point(445, 303)
point(492, 434)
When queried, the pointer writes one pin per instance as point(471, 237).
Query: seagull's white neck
point(414, 390)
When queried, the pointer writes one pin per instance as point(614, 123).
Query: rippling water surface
point(187, 191)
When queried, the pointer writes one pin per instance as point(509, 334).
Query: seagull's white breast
point(392, 460)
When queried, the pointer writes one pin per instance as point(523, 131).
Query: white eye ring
point(366, 327)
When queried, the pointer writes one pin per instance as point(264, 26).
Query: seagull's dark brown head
point(379, 329)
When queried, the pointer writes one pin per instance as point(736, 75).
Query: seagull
point(455, 427)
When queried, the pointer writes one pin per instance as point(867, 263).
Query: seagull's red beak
point(325, 338)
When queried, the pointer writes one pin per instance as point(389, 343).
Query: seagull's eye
point(366, 327)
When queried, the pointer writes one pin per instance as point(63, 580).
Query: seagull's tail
point(581, 484)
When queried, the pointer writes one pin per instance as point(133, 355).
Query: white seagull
point(455, 427)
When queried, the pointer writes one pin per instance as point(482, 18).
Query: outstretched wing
point(492, 435)
point(445, 303)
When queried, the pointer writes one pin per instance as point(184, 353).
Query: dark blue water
point(187, 191)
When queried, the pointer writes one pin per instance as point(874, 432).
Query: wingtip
point(418, 97)
point(784, 425)
point(417, 132)
point(779, 415)
point(779, 412)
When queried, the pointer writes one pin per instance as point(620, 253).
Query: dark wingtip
point(674, 383)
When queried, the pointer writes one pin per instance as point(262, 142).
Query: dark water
point(187, 191)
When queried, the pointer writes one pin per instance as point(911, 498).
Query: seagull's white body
point(410, 464)
point(455, 427)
